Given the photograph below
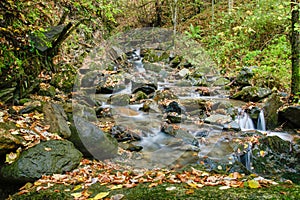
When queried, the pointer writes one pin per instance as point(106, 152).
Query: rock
point(183, 83)
point(252, 93)
point(50, 157)
point(86, 112)
point(271, 106)
point(144, 85)
point(30, 107)
point(140, 95)
point(244, 77)
point(90, 79)
point(184, 135)
point(193, 104)
point(111, 84)
point(119, 99)
point(8, 141)
point(56, 117)
point(273, 157)
point(184, 72)
point(218, 119)
point(174, 107)
point(289, 116)
point(221, 81)
point(47, 91)
point(162, 95)
point(122, 134)
point(153, 67)
point(150, 106)
point(92, 141)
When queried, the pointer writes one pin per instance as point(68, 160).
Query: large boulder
point(271, 106)
point(92, 141)
point(50, 157)
point(290, 117)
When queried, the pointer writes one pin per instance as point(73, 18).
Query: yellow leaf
point(76, 194)
point(115, 187)
point(100, 195)
point(262, 153)
point(253, 184)
point(77, 187)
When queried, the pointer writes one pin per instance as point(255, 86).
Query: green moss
point(182, 191)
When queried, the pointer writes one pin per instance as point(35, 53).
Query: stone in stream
point(50, 157)
point(111, 84)
point(144, 85)
point(252, 93)
point(119, 99)
point(271, 106)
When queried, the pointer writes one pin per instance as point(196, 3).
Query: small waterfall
point(245, 121)
point(245, 157)
point(261, 123)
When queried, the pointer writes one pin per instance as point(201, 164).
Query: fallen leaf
point(76, 194)
point(253, 184)
point(117, 197)
point(190, 191)
point(171, 188)
point(100, 195)
point(115, 187)
point(224, 187)
point(77, 187)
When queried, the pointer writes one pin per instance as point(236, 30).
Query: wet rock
point(193, 104)
point(162, 95)
point(50, 157)
point(122, 134)
point(174, 107)
point(271, 106)
point(199, 82)
point(183, 83)
point(140, 95)
point(111, 84)
point(218, 119)
point(8, 141)
point(144, 85)
point(175, 61)
point(119, 99)
point(289, 116)
point(184, 135)
point(92, 141)
point(274, 157)
point(153, 67)
point(150, 106)
point(252, 93)
point(56, 117)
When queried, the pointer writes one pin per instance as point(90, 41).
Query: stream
point(168, 106)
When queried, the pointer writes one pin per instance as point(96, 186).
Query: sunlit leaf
point(171, 188)
point(115, 187)
point(100, 195)
point(190, 191)
point(225, 187)
point(253, 184)
point(77, 187)
point(76, 194)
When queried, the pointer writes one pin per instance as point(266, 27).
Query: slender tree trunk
point(213, 11)
point(295, 82)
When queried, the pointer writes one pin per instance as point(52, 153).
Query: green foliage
point(195, 32)
point(253, 34)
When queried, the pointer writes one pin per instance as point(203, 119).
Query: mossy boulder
point(252, 93)
point(50, 157)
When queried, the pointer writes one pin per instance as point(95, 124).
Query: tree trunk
point(295, 82)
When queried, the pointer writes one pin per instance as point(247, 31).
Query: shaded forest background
point(46, 41)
